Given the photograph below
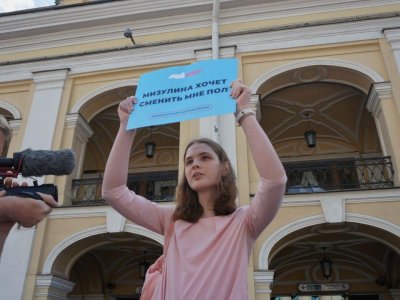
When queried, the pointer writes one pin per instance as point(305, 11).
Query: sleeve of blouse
point(265, 205)
point(138, 209)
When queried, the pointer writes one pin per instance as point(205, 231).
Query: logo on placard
point(183, 75)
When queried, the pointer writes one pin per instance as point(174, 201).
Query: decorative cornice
point(106, 22)
point(15, 125)
point(52, 286)
point(50, 79)
point(392, 35)
point(255, 105)
point(179, 51)
point(82, 128)
point(378, 92)
point(264, 276)
point(157, 16)
point(262, 281)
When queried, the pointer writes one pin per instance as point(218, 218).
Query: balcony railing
point(339, 175)
point(157, 187)
point(303, 177)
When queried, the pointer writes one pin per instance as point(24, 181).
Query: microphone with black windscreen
point(36, 163)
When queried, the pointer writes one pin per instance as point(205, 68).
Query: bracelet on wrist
point(241, 115)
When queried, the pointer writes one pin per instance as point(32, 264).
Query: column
point(15, 129)
point(382, 106)
point(393, 63)
point(50, 287)
point(262, 283)
point(43, 115)
point(81, 133)
point(39, 134)
point(393, 38)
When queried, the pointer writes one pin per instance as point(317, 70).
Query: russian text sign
point(183, 93)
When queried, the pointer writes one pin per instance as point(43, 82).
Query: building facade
point(324, 69)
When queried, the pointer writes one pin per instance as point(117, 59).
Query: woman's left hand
point(242, 94)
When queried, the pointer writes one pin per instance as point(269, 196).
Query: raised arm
point(116, 172)
point(114, 190)
point(271, 188)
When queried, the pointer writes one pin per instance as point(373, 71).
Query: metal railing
point(303, 177)
point(157, 187)
point(339, 175)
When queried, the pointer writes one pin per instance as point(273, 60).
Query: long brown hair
point(188, 207)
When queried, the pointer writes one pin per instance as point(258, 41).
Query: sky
point(12, 5)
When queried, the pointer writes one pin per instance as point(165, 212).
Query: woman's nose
point(195, 164)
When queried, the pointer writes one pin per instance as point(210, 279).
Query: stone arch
point(11, 108)
point(273, 239)
point(336, 135)
point(370, 73)
point(90, 232)
point(87, 98)
point(86, 108)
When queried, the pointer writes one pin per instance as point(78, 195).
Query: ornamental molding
point(11, 109)
point(107, 21)
point(115, 85)
point(175, 51)
point(96, 230)
point(392, 35)
point(262, 281)
point(304, 36)
point(276, 236)
point(83, 129)
point(15, 125)
point(264, 276)
point(379, 92)
point(255, 105)
point(372, 74)
point(52, 286)
point(157, 16)
point(50, 79)
point(285, 230)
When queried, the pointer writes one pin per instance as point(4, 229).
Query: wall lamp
point(128, 35)
point(150, 146)
point(310, 135)
point(326, 266)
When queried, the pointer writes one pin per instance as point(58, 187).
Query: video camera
point(36, 163)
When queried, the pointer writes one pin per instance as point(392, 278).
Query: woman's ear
point(225, 168)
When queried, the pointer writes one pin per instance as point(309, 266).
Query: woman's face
point(202, 167)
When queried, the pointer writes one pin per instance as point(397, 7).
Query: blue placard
point(183, 93)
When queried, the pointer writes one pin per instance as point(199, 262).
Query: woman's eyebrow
point(198, 154)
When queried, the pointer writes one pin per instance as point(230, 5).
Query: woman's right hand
point(125, 108)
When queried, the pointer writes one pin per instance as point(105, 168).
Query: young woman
point(209, 250)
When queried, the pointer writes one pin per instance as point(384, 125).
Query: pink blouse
point(206, 260)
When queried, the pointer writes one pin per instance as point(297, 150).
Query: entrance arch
point(51, 259)
point(98, 262)
point(364, 252)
